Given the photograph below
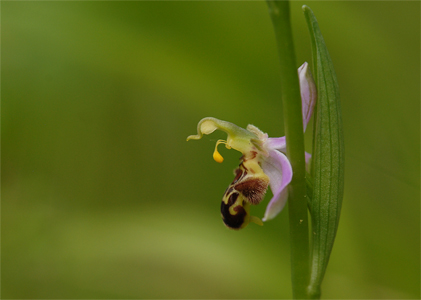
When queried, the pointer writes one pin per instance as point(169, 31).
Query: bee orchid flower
point(263, 162)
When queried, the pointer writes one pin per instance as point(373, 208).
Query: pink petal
point(276, 205)
point(308, 93)
point(277, 143)
point(279, 170)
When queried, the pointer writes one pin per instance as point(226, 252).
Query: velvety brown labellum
point(253, 189)
point(248, 187)
point(250, 182)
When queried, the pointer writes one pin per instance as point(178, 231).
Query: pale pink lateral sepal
point(279, 170)
point(308, 93)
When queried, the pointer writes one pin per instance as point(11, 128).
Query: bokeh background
point(102, 197)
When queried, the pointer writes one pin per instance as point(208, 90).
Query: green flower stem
point(291, 99)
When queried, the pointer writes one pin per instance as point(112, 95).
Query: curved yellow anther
point(216, 156)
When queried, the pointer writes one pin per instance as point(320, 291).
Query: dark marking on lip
point(233, 221)
point(238, 173)
point(228, 191)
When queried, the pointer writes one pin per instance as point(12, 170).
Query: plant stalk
point(291, 99)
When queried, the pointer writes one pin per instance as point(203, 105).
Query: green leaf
point(328, 158)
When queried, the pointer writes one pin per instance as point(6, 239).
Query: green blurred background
point(102, 197)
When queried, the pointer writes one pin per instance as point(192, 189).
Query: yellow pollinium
point(216, 155)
